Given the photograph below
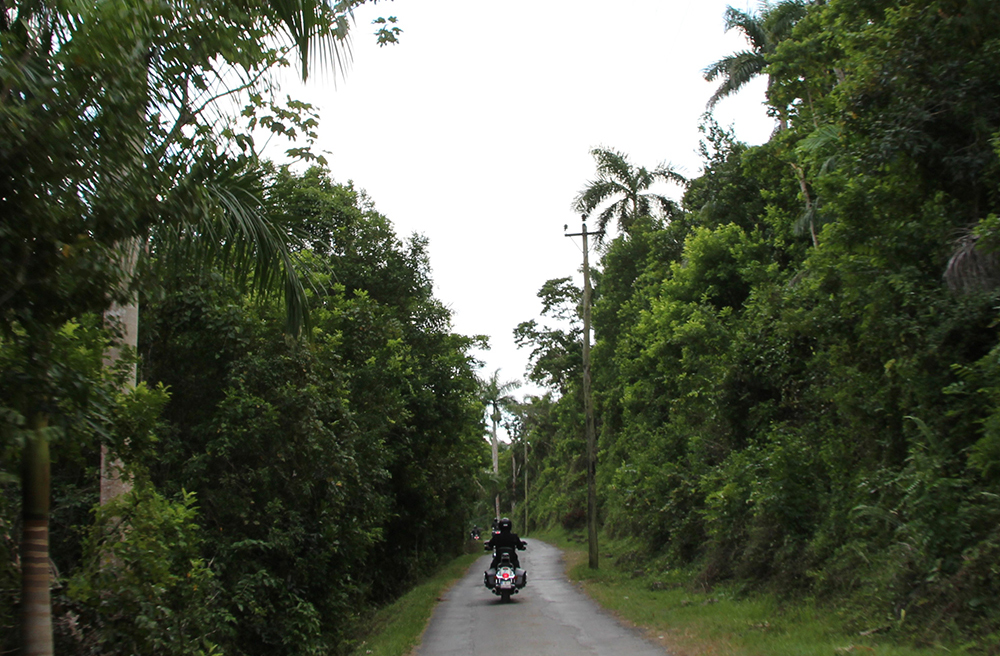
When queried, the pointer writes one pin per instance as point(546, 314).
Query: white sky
point(475, 130)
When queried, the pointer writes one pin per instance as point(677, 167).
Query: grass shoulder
point(395, 629)
point(689, 620)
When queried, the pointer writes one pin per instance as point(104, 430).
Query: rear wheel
point(505, 595)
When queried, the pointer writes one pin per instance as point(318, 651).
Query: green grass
point(396, 629)
point(720, 622)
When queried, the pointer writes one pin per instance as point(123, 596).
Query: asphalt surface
point(549, 617)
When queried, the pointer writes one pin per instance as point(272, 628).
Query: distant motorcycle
point(506, 579)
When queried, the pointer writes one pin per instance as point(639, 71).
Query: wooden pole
point(588, 405)
point(525, 486)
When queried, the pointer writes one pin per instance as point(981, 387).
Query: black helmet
point(504, 525)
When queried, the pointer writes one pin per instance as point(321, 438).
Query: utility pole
point(525, 440)
point(588, 404)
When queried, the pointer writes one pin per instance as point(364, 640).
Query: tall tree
point(763, 30)
point(116, 128)
point(623, 191)
point(497, 399)
point(555, 350)
point(244, 228)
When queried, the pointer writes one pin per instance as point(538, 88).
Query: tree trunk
point(36, 575)
point(525, 528)
point(801, 175)
point(513, 484)
point(114, 481)
point(496, 457)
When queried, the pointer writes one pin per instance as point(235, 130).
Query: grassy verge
point(396, 629)
point(719, 622)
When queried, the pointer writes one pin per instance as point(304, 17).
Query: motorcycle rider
point(504, 538)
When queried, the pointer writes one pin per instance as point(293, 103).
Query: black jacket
point(508, 540)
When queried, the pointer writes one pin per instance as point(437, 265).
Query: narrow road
point(549, 617)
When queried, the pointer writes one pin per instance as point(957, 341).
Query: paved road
point(549, 617)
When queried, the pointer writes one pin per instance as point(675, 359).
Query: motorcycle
point(506, 579)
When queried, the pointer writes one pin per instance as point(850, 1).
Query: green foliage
point(674, 606)
point(143, 581)
point(117, 129)
point(397, 628)
point(763, 32)
point(126, 128)
point(790, 394)
point(555, 350)
point(622, 191)
point(329, 471)
point(89, 413)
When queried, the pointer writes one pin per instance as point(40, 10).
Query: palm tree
point(497, 399)
point(92, 194)
point(764, 31)
point(622, 190)
point(237, 231)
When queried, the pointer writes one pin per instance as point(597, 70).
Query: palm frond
point(316, 25)
point(820, 138)
point(333, 44)
point(805, 224)
point(667, 173)
point(878, 513)
point(228, 228)
point(596, 193)
point(781, 19)
point(642, 179)
point(736, 70)
point(612, 164)
point(714, 70)
point(619, 191)
point(752, 26)
point(763, 30)
point(612, 212)
point(665, 206)
point(743, 67)
point(496, 394)
point(824, 138)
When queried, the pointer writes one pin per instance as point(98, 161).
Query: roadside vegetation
point(280, 487)
point(674, 609)
point(795, 364)
point(395, 629)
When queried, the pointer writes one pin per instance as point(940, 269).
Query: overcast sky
point(476, 130)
